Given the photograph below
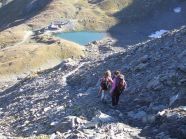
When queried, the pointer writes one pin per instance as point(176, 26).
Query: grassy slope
point(98, 16)
point(31, 57)
point(12, 35)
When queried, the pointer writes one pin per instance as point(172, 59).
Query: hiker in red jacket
point(105, 84)
point(118, 85)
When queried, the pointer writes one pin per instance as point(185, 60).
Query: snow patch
point(177, 9)
point(158, 34)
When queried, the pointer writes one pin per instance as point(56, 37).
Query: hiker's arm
point(111, 81)
point(99, 92)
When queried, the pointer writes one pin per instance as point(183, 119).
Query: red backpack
point(120, 84)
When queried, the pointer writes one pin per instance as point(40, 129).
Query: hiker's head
point(121, 76)
point(117, 73)
point(107, 73)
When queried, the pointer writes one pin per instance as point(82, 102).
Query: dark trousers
point(115, 98)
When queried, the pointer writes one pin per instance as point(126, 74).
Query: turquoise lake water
point(82, 38)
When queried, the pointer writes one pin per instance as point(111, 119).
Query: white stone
point(57, 90)
point(47, 109)
point(20, 90)
point(35, 132)
point(26, 122)
point(53, 136)
point(177, 9)
point(161, 113)
point(54, 123)
point(60, 108)
point(101, 117)
point(183, 108)
point(6, 85)
point(158, 34)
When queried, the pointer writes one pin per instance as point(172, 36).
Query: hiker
point(118, 85)
point(105, 84)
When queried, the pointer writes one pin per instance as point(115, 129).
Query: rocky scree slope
point(63, 101)
point(155, 72)
point(22, 17)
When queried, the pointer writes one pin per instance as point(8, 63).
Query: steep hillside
point(89, 14)
point(29, 58)
point(43, 96)
point(62, 102)
point(85, 15)
point(4, 2)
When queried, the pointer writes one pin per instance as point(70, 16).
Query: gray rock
point(149, 119)
point(162, 135)
point(90, 125)
point(154, 84)
point(182, 68)
point(139, 115)
point(102, 118)
point(68, 123)
point(157, 108)
point(182, 82)
point(173, 99)
point(182, 108)
point(182, 55)
point(144, 59)
point(142, 101)
point(140, 66)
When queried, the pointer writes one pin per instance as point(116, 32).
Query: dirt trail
point(25, 38)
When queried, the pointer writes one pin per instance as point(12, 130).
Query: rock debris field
point(62, 102)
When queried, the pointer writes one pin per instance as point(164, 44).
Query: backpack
point(104, 84)
point(120, 84)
